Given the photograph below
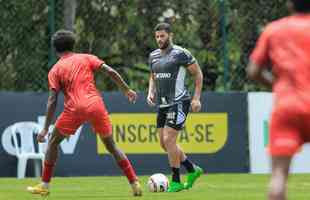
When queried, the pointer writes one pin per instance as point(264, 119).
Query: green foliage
point(121, 33)
point(24, 45)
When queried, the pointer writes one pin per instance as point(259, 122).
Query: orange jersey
point(74, 75)
point(285, 45)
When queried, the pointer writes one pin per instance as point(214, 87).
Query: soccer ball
point(158, 183)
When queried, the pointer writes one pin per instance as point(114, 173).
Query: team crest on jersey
point(172, 58)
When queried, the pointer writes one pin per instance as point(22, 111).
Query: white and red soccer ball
point(158, 183)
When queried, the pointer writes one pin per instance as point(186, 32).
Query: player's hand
point(131, 95)
point(196, 105)
point(41, 135)
point(150, 99)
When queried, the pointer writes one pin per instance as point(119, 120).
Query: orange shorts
point(96, 114)
point(289, 130)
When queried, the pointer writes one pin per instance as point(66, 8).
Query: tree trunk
point(69, 14)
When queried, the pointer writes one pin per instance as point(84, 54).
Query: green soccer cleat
point(175, 187)
point(192, 177)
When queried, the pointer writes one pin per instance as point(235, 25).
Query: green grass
point(210, 187)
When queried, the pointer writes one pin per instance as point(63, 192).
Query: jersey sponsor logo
point(162, 75)
point(137, 133)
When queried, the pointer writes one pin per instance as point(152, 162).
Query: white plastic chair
point(25, 147)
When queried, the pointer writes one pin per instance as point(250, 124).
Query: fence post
point(224, 43)
point(51, 29)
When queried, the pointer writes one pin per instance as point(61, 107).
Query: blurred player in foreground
point(285, 47)
point(168, 66)
point(73, 74)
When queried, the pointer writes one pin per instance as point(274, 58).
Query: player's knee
point(169, 144)
point(55, 139)
point(165, 142)
point(111, 147)
point(53, 143)
point(169, 140)
point(162, 145)
point(110, 144)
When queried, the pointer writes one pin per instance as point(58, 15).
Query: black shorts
point(173, 116)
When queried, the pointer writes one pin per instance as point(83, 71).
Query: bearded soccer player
point(285, 47)
point(73, 74)
point(169, 65)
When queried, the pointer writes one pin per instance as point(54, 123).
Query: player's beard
point(165, 44)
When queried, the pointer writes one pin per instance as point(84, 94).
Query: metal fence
point(219, 33)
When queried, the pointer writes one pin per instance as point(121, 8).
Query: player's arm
point(259, 60)
point(50, 108)
point(119, 81)
point(259, 74)
point(50, 111)
point(196, 73)
point(151, 91)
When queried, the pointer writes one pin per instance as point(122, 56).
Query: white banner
point(260, 104)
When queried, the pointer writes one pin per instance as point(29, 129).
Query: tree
point(121, 33)
point(69, 14)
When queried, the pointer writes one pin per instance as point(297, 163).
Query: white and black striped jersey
point(169, 72)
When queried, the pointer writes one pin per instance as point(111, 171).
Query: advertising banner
point(215, 138)
point(136, 132)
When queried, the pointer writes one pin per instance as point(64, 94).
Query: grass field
point(210, 187)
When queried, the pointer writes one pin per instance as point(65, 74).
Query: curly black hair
point(301, 5)
point(63, 40)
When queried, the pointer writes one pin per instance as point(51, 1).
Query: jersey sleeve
point(95, 62)
point(260, 54)
point(53, 81)
point(150, 63)
point(186, 58)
